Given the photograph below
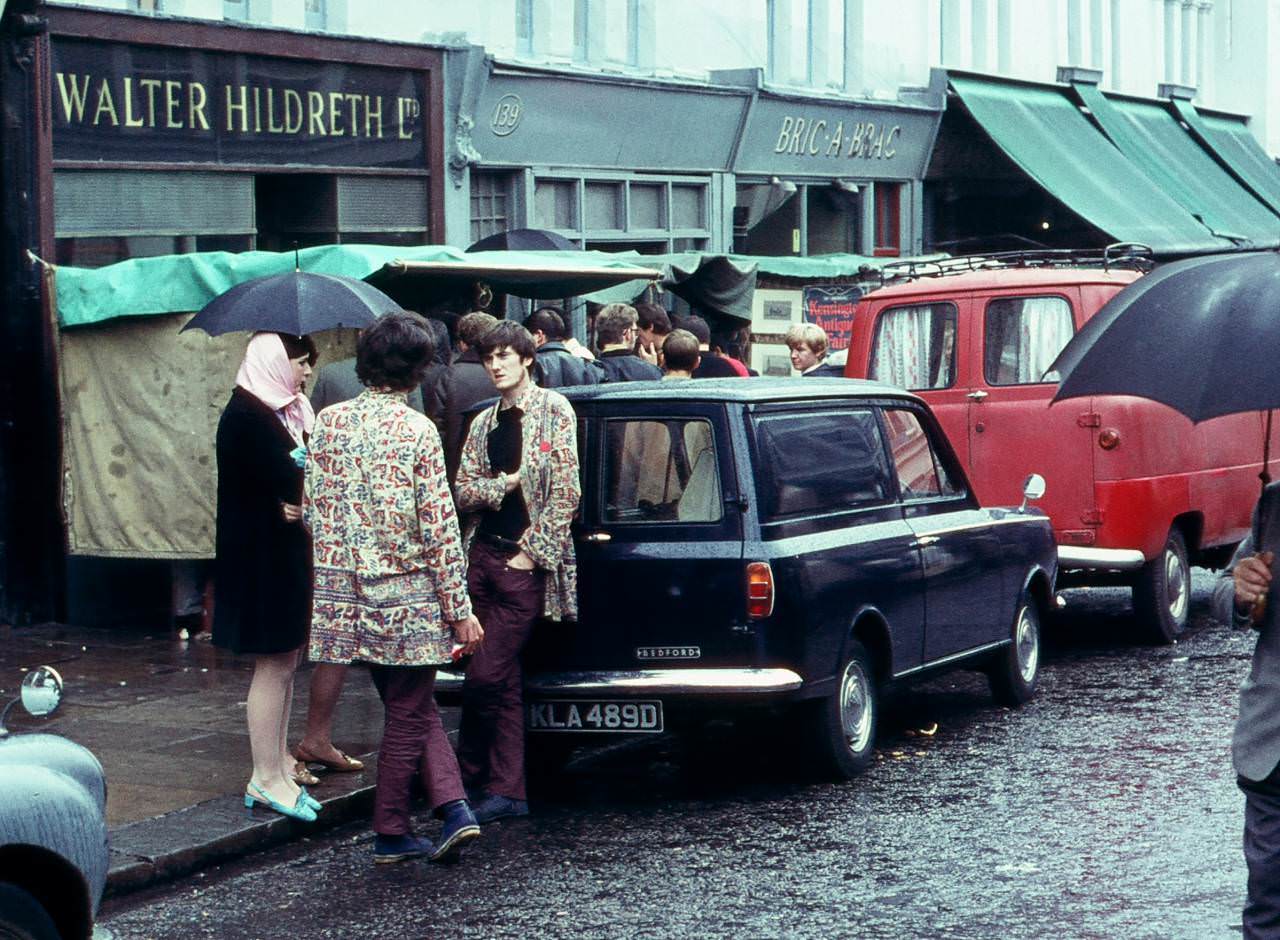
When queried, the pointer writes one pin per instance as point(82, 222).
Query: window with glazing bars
point(489, 212)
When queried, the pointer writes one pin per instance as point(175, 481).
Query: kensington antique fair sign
point(831, 308)
point(115, 102)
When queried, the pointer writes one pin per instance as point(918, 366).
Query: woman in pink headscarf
point(263, 565)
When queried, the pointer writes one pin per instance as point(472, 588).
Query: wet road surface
point(1106, 807)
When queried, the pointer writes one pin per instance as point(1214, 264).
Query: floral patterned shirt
point(389, 565)
point(549, 479)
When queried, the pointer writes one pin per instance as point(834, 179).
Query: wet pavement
point(1106, 807)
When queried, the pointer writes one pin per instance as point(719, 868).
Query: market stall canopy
point(1044, 132)
point(1230, 138)
point(184, 283)
point(540, 275)
point(1149, 135)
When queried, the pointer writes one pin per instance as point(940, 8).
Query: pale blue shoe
point(311, 801)
point(300, 809)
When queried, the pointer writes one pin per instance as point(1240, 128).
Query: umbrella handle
point(1265, 475)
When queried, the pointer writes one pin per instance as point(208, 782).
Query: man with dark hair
point(518, 486)
point(556, 366)
point(654, 325)
point(461, 386)
point(680, 355)
point(711, 366)
point(616, 336)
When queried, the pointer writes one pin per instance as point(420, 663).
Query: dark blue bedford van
point(795, 543)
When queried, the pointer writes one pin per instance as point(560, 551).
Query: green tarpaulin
point(1151, 137)
point(185, 283)
point(1044, 133)
point(1233, 142)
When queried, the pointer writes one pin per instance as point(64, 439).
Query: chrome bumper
point(649, 682)
point(1109, 559)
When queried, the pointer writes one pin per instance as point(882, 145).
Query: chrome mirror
point(1032, 489)
point(42, 691)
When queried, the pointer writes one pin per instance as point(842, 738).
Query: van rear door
point(1012, 429)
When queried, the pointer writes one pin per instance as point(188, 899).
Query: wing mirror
point(40, 695)
point(1032, 489)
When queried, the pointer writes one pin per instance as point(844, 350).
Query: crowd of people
point(382, 521)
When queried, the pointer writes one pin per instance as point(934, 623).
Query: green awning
point(1235, 145)
point(1046, 135)
point(1151, 137)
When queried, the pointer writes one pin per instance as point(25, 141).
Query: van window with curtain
point(915, 347)
point(1023, 336)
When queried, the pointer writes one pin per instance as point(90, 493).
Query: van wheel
point(1162, 595)
point(23, 917)
point(843, 725)
point(1014, 674)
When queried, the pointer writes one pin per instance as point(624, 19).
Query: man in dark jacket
point(711, 365)
point(808, 345)
point(462, 386)
point(555, 366)
point(616, 330)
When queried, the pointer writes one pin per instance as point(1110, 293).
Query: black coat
point(622, 365)
point(559, 368)
point(461, 387)
point(262, 601)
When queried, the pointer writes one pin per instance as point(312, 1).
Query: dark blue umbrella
point(524, 239)
point(296, 303)
point(1200, 335)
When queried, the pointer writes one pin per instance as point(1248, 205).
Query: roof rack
point(1127, 255)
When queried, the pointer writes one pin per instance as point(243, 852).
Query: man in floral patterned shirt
point(518, 485)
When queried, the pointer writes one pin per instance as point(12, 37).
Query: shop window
point(647, 205)
point(99, 251)
point(834, 217)
point(555, 204)
point(888, 204)
point(602, 206)
point(524, 27)
point(581, 30)
point(236, 10)
point(490, 204)
point(146, 6)
point(688, 206)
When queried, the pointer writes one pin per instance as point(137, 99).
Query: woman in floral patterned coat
point(390, 576)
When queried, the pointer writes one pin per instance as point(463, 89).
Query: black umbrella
point(296, 303)
point(524, 239)
point(1201, 336)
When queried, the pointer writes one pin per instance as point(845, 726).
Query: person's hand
point(468, 632)
point(648, 353)
point(291, 512)
point(1252, 577)
point(510, 481)
point(521, 562)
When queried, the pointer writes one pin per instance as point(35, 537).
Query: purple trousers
point(507, 601)
point(413, 742)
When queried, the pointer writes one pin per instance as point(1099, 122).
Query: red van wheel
point(1162, 596)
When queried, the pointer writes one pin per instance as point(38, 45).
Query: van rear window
point(915, 347)
point(824, 462)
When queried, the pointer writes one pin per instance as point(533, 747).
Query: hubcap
point(1176, 586)
point(855, 707)
point(1026, 642)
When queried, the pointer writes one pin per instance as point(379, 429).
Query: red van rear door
point(1012, 429)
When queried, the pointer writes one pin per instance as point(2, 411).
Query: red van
point(1135, 491)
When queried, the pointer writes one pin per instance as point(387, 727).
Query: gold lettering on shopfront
point(135, 102)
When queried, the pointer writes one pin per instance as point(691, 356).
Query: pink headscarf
point(267, 375)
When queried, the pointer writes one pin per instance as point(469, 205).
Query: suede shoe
point(494, 807)
point(387, 849)
point(459, 828)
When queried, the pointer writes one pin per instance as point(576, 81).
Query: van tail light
point(759, 590)
point(1109, 439)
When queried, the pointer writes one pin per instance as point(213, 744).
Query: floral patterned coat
point(389, 564)
point(549, 478)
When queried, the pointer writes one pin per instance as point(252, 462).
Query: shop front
point(172, 136)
